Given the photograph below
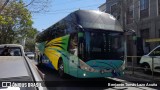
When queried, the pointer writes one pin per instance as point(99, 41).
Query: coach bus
point(84, 44)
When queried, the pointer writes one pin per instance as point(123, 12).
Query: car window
point(156, 52)
point(12, 51)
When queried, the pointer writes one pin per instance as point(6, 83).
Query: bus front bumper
point(86, 74)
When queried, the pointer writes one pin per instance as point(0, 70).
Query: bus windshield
point(103, 46)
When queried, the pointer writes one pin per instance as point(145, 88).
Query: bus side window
point(81, 45)
point(73, 44)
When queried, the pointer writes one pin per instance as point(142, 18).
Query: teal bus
point(84, 44)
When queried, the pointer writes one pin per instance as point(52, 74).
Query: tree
point(30, 40)
point(30, 45)
point(35, 6)
point(3, 6)
point(15, 21)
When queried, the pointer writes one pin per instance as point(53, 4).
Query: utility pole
point(123, 13)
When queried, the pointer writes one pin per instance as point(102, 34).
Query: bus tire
point(61, 68)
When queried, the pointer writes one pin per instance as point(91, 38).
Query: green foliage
point(15, 23)
point(30, 45)
point(30, 40)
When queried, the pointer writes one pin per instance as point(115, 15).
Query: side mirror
point(80, 28)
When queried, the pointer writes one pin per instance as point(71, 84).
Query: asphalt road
point(54, 82)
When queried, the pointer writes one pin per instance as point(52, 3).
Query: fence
point(137, 69)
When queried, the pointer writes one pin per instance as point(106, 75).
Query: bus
point(84, 44)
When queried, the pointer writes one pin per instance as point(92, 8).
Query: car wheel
point(146, 68)
point(61, 68)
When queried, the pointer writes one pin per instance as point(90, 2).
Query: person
point(6, 51)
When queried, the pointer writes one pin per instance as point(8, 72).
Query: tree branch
point(29, 3)
point(4, 6)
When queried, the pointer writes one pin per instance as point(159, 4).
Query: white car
point(146, 60)
point(30, 55)
point(16, 67)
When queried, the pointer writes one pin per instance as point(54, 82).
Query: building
point(143, 16)
point(102, 7)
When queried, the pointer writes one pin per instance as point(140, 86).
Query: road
point(54, 82)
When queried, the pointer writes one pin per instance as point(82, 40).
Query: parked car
point(146, 60)
point(15, 66)
point(30, 55)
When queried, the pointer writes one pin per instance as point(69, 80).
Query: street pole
point(123, 12)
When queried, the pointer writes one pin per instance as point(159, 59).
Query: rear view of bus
point(85, 44)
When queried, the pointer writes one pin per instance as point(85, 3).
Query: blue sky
point(58, 9)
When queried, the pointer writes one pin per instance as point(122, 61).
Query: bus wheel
point(61, 68)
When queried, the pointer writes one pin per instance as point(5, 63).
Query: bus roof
point(86, 19)
point(96, 20)
point(92, 19)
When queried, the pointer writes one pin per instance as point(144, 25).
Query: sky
point(58, 9)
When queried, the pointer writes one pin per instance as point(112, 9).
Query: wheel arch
point(65, 63)
point(145, 63)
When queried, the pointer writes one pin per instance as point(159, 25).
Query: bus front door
point(73, 52)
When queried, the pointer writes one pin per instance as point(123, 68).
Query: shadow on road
point(52, 79)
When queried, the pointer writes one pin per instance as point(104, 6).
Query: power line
point(70, 9)
point(69, 2)
point(60, 4)
point(29, 3)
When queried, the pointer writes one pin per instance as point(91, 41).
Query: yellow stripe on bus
point(54, 41)
point(53, 57)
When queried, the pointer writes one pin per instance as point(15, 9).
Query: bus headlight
point(122, 67)
point(85, 67)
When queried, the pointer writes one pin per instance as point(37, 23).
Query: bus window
point(81, 45)
point(73, 49)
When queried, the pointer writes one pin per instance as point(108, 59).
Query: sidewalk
point(140, 77)
point(34, 62)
